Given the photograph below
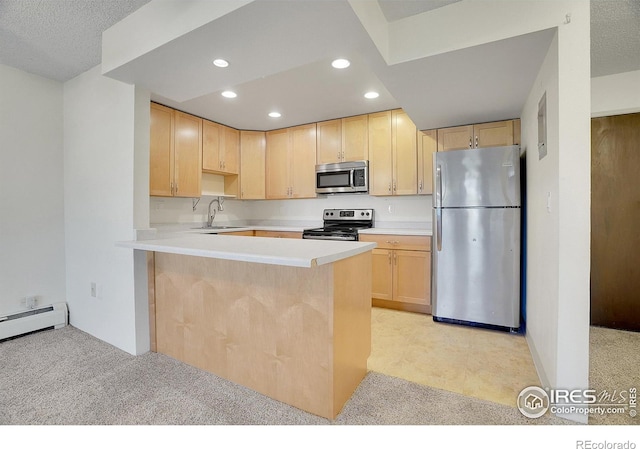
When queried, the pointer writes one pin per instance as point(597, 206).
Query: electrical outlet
point(94, 290)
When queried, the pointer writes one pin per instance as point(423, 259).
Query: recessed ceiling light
point(229, 94)
point(275, 114)
point(341, 63)
point(371, 95)
point(220, 63)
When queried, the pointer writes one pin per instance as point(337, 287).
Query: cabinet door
point(382, 281)
point(252, 165)
point(277, 164)
point(516, 132)
point(188, 155)
point(329, 142)
point(355, 138)
point(427, 145)
point(211, 146)
point(405, 156)
point(494, 134)
point(412, 281)
point(161, 151)
point(230, 150)
point(380, 154)
point(302, 156)
point(456, 138)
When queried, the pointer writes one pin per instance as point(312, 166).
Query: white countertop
point(289, 252)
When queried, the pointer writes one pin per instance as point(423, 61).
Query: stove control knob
point(362, 213)
point(367, 214)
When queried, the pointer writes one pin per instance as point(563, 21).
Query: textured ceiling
point(615, 36)
point(57, 39)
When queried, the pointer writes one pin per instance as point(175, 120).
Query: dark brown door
point(615, 222)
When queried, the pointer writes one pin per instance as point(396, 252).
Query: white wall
point(615, 94)
point(542, 223)
point(99, 170)
point(559, 210)
point(401, 211)
point(31, 190)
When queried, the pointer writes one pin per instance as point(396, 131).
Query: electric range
point(341, 224)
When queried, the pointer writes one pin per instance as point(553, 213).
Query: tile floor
point(481, 363)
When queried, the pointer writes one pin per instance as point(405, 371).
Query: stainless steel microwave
point(343, 177)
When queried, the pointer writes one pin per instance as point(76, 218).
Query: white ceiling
point(60, 39)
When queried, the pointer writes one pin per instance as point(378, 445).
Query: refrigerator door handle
point(439, 229)
point(438, 186)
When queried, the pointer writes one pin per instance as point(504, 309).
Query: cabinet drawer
point(394, 241)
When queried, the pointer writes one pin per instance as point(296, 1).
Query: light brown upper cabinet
point(516, 132)
point(290, 162)
point(252, 165)
point(343, 140)
point(427, 145)
point(492, 134)
point(175, 153)
point(392, 154)
point(220, 148)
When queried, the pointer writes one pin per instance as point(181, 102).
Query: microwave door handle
point(351, 179)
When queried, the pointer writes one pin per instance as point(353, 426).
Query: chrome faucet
point(211, 216)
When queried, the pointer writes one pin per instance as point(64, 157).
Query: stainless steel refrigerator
point(476, 237)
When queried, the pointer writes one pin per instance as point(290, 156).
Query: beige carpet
point(615, 368)
point(68, 377)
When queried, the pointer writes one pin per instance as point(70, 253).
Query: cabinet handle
point(394, 186)
point(171, 187)
point(470, 143)
point(420, 186)
point(343, 156)
point(338, 155)
point(389, 187)
point(389, 254)
point(176, 188)
point(395, 260)
point(393, 242)
point(476, 141)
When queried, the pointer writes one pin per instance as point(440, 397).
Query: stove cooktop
point(341, 224)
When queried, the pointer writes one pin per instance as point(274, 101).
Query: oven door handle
point(324, 237)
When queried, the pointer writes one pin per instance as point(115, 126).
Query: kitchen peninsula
point(288, 318)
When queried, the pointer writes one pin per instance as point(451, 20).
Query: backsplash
point(399, 211)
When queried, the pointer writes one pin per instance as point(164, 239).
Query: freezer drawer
point(484, 177)
point(476, 266)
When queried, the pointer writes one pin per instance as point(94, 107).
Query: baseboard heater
point(41, 318)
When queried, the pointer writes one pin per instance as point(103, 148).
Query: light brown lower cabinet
point(279, 234)
point(401, 277)
point(241, 233)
